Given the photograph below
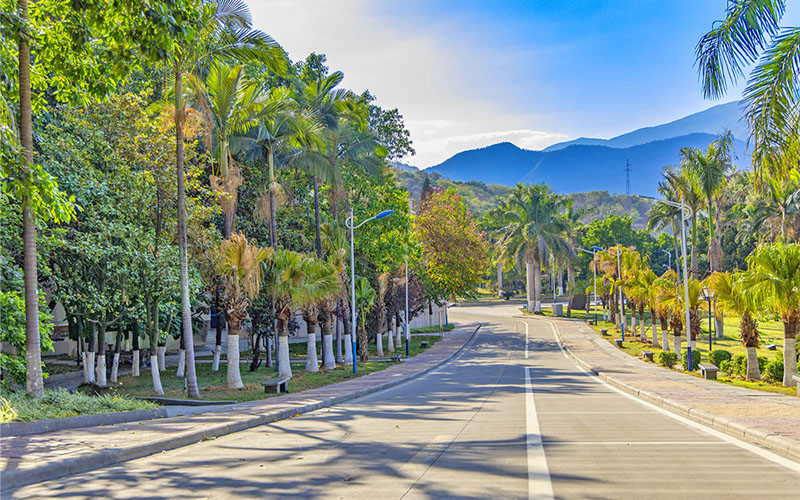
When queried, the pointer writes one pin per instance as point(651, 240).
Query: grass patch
point(213, 385)
point(433, 329)
point(16, 406)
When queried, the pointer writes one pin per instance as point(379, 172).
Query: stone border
point(788, 448)
point(16, 478)
point(11, 429)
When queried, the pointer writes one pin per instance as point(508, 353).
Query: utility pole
point(627, 176)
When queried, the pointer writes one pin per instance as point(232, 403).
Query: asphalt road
point(513, 417)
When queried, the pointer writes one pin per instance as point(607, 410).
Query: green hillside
point(481, 197)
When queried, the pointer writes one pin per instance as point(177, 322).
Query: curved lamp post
point(686, 214)
point(669, 259)
point(349, 222)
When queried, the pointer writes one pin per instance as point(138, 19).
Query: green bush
point(60, 403)
point(725, 366)
point(774, 370)
point(717, 356)
point(738, 365)
point(762, 364)
point(667, 358)
point(696, 356)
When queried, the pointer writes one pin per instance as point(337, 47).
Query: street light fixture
point(686, 213)
point(709, 295)
point(593, 251)
point(349, 222)
point(669, 259)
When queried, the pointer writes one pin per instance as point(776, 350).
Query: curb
point(12, 479)
point(785, 447)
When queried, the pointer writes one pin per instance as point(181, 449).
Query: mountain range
point(589, 164)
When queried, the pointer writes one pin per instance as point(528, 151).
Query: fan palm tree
point(667, 281)
point(239, 263)
point(773, 275)
point(529, 226)
point(365, 299)
point(645, 291)
point(321, 283)
point(227, 33)
point(675, 299)
point(285, 277)
point(751, 32)
point(733, 296)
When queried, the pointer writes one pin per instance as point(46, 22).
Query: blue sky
point(467, 74)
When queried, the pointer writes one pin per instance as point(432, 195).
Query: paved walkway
point(31, 459)
point(768, 419)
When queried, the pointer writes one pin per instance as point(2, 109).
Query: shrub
point(774, 370)
point(725, 366)
point(667, 358)
point(718, 356)
point(739, 365)
point(762, 364)
point(60, 403)
point(696, 356)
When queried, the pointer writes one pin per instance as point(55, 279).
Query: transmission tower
point(627, 177)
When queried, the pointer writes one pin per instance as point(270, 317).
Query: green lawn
point(771, 333)
point(213, 385)
point(16, 406)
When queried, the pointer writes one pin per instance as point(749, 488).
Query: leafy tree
point(453, 247)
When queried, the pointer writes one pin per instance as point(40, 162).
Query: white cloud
point(429, 77)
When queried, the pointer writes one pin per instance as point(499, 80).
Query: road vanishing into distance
point(512, 417)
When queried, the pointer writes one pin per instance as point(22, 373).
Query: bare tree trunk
point(284, 364)
point(115, 362)
point(753, 372)
point(312, 363)
point(530, 288)
point(217, 340)
point(135, 362)
point(789, 353)
point(391, 333)
point(329, 361)
point(234, 376)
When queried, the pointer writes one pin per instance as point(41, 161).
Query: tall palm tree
point(773, 275)
point(285, 278)
point(751, 32)
point(240, 265)
point(529, 225)
point(733, 296)
point(661, 286)
point(227, 32)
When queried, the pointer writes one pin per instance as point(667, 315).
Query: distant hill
point(403, 167)
point(587, 165)
point(481, 197)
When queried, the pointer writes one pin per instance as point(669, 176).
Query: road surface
point(512, 417)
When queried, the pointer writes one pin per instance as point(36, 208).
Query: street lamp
point(594, 273)
point(349, 222)
point(686, 213)
point(709, 295)
point(669, 259)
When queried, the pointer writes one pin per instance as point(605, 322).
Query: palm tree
point(529, 224)
point(365, 299)
point(645, 291)
point(321, 283)
point(751, 29)
point(226, 33)
point(285, 279)
point(733, 296)
point(661, 286)
point(239, 263)
point(773, 275)
point(675, 299)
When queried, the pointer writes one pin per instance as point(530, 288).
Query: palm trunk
point(537, 287)
point(400, 330)
point(34, 383)
point(665, 337)
point(694, 245)
point(328, 360)
point(653, 326)
point(391, 332)
point(790, 352)
point(181, 371)
point(273, 230)
point(676, 344)
point(529, 287)
point(191, 374)
point(284, 364)
point(234, 377)
point(753, 372)
point(217, 340)
point(318, 238)
point(363, 353)
point(312, 364)
point(348, 338)
point(338, 327)
point(642, 329)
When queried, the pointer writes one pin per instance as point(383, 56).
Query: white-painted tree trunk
point(215, 361)
point(91, 358)
point(232, 360)
point(115, 367)
point(753, 372)
point(529, 287)
point(537, 288)
point(500, 280)
point(380, 344)
point(399, 336)
point(665, 339)
point(789, 361)
point(154, 371)
point(655, 334)
point(391, 335)
point(312, 363)
point(86, 369)
point(285, 367)
point(181, 364)
point(348, 348)
point(327, 347)
point(676, 345)
point(135, 363)
point(101, 370)
point(162, 357)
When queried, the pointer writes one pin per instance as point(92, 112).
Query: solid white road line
point(526, 337)
point(772, 457)
point(539, 486)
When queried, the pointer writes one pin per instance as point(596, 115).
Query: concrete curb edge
point(13, 479)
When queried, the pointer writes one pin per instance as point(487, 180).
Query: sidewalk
point(763, 418)
point(32, 459)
